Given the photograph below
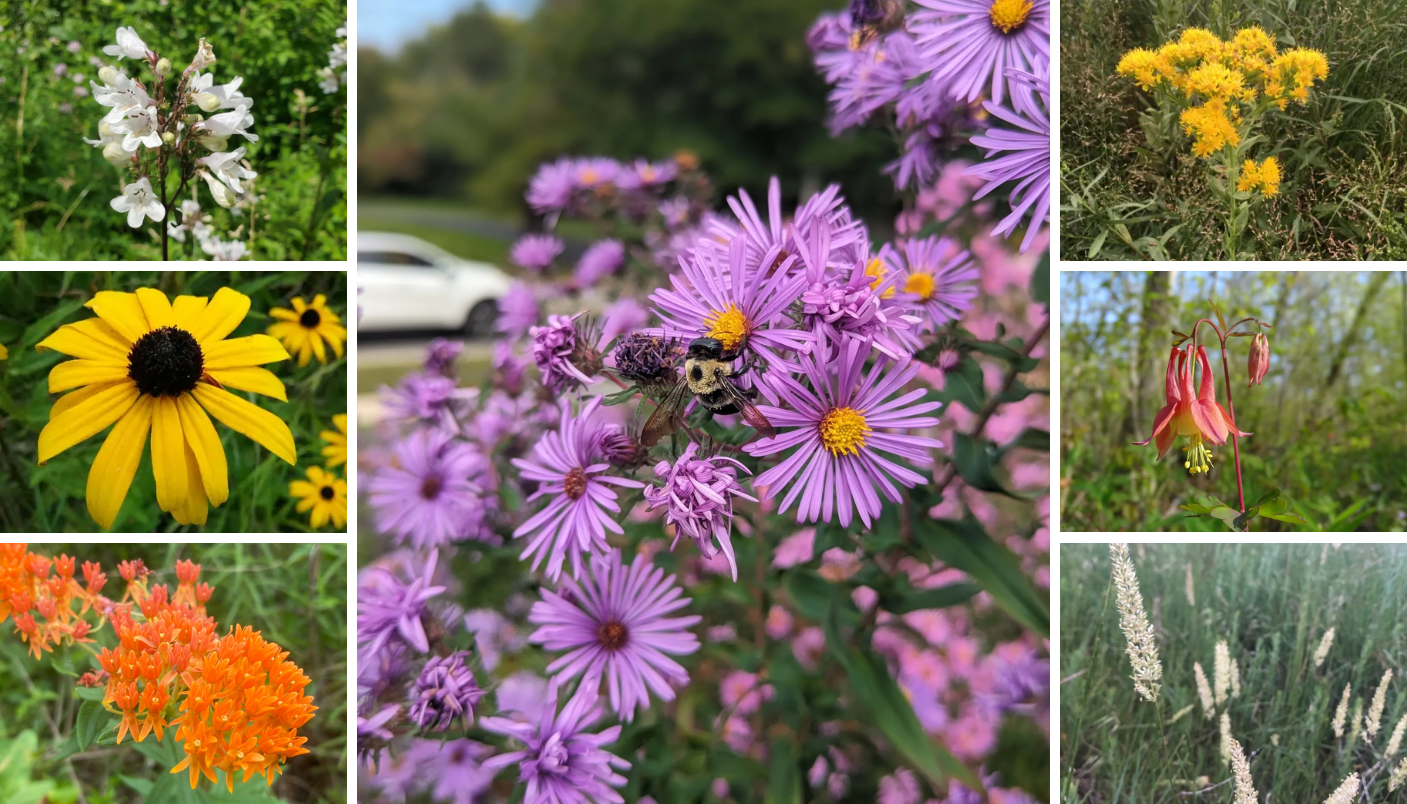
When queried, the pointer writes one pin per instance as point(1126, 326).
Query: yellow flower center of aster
point(1009, 15)
point(589, 177)
point(1199, 458)
point(729, 327)
point(878, 271)
point(921, 285)
point(843, 431)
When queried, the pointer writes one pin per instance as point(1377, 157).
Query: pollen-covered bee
point(870, 19)
point(710, 377)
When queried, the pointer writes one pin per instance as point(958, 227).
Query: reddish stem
point(1231, 409)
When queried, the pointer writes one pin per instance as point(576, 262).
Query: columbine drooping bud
point(1260, 359)
point(204, 56)
point(107, 75)
point(207, 102)
point(168, 137)
point(163, 68)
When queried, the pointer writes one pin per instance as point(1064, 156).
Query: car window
point(393, 258)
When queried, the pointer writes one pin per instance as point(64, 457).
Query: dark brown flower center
point(430, 488)
point(310, 318)
point(575, 484)
point(165, 362)
point(327, 492)
point(612, 635)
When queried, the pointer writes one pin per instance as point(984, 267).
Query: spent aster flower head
point(838, 466)
point(440, 357)
point(535, 251)
point(969, 42)
point(697, 494)
point(390, 607)
point(445, 692)
point(561, 762)
point(566, 355)
point(430, 494)
point(937, 278)
point(582, 503)
point(1025, 153)
point(615, 624)
point(649, 360)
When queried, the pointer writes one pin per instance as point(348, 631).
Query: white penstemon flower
point(329, 79)
point(138, 201)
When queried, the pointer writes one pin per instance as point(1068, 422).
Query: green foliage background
point(55, 189)
point(295, 595)
point(50, 498)
point(1272, 603)
point(1131, 189)
point(1327, 423)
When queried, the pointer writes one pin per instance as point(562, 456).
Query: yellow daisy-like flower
point(336, 450)
point(323, 493)
point(306, 327)
point(150, 365)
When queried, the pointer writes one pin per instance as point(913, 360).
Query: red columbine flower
point(1260, 359)
point(1198, 417)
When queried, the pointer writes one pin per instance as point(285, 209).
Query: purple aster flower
point(839, 304)
point(835, 44)
point(388, 607)
point(428, 400)
point(623, 315)
point(508, 369)
point(1026, 153)
point(386, 674)
point(428, 496)
point(614, 624)
point(900, 788)
point(535, 251)
point(565, 356)
point(839, 436)
point(937, 278)
point(518, 310)
point(601, 259)
point(582, 504)
point(453, 772)
point(522, 694)
point(595, 172)
point(970, 42)
point(917, 165)
point(550, 189)
point(876, 78)
point(373, 734)
point(561, 762)
point(440, 357)
point(676, 211)
point(644, 174)
point(445, 691)
point(697, 494)
point(734, 300)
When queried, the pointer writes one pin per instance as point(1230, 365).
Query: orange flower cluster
point(241, 701)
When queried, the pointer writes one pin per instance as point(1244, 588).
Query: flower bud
point(216, 144)
point(168, 137)
point(107, 75)
point(105, 130)
point(114, 153)
point(192, 119)
point(1259, 360)
point(163, 68)
point(207, 102)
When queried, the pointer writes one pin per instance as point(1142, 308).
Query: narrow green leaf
point(919, 599)
point(966, 546)
point(976, 462)
point(783, 778)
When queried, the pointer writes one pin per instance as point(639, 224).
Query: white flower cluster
point(329, 77)
point(198, 225)
point(170, 120)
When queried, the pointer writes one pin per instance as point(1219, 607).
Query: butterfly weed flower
point(308, 329)
point(335, 452)
point(582, 506)
point(323, 496)
point(838, 467)
point(1199, 417)
point(561, 761)
point(1020, 153)
point(697, 494)
point(445, 692)
point(937, 277)
point(969, 42)
point(145, 365)
point(615, 627)
point(430, 494)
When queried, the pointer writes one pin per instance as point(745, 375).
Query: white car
point(408, 284)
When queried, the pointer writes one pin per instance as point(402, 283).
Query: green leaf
point(1267, 497)
point(620, 397)
point(93, 720)
point(1040, 280)
point(919, 599)
point(89, 693)
point(813, 594)
point(172, 788)
point(966, 546)
point(142, 786)
point(783, 780)
point(1031, 438)
point(976, 462)
point(964, 385)
point(1279, 509)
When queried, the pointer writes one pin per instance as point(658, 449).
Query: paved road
point(399, 352)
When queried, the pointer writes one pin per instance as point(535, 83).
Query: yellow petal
point(82, 420)
point(301, 488)
point(168, 455)
point(318, 348)
point(188, 310)
point(157, 308)
point(91, 338)
point(75, 373)
point(253, 379)
point(319, 516)
point(248, 419)
point(204, 444)
point(117, 462)
point(252, 350)
point(69, 400)
point(283, 314)
point(122, 312)
point(298, 305)
point(194, 510)
point(221, 316)
point(334, 335)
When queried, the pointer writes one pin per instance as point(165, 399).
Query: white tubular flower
point(224, 196)
point(227, 168)
point(210, 97)
point(124, 96)
point(116, 154)
point(226, 124)
point(139, 129)
point(224, 251)
point(128, 44)
point(204, 56)
point(138, 200)
point(327, 81)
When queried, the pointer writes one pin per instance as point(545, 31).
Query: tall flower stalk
point(1141, 648)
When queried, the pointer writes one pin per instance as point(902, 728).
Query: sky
point(388, 24)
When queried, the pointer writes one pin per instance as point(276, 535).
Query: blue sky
point(388, 24)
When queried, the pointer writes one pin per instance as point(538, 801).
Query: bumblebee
point(710, 377)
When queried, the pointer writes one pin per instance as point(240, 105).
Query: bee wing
point(751, 414)
point(667, 416)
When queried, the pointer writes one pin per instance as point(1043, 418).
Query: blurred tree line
point(472, 108)
point(1327, 424)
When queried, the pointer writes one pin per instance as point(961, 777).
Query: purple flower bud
point(446, 691)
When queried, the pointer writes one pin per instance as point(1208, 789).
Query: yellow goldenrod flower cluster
point(1212, 76)
point(1264, 177)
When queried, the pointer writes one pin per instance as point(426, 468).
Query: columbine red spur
point(838, 465)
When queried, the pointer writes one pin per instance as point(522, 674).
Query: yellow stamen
point(1199, 458)
point(1009, 14)
point(878, 270)
point(843, 431)
point(921, 285)
point(729, 327)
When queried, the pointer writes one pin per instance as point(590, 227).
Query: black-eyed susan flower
point(149, 365)
point(308, 329)
point(4, 353)
point(324, 494)
point(336, 450)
